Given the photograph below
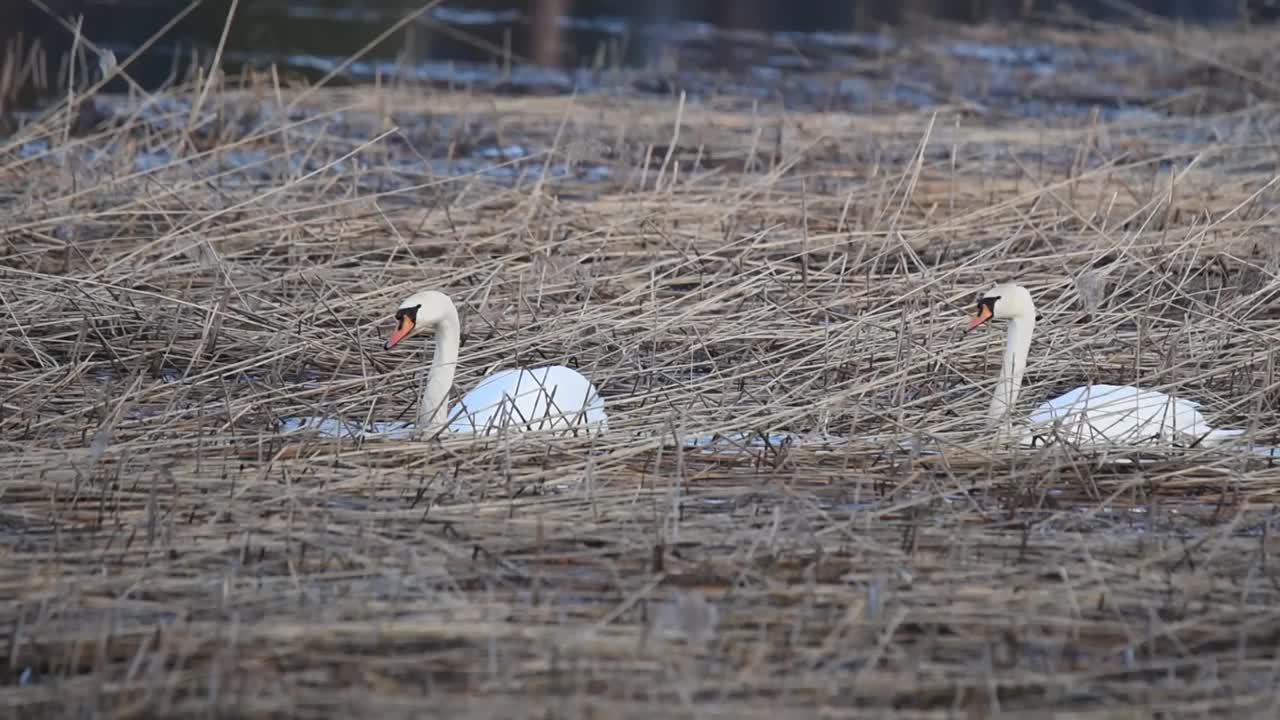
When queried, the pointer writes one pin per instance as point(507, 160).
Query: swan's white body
point(544, 398)
point(1125, 415)
point(1089, 414)
point(553, 398)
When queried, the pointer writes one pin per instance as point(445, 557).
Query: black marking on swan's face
point(406, 321)
point(407, 312)
point(986, 311)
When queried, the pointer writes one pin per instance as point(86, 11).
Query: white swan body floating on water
point(1090, 414)
point(554, 397)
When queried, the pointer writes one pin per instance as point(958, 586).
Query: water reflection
point(310, 38)
point(547, 32)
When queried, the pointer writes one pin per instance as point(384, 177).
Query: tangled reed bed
point(179, 280)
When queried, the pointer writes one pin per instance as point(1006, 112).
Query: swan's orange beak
point(405, 327)
point(984, 314)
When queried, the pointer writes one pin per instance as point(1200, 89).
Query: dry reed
point(176, 282)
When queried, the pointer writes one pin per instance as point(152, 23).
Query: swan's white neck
point(433, 409)
point(1015, 362)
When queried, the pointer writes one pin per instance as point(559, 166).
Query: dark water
point(309, 37)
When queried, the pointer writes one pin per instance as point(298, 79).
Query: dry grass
point(175, 283)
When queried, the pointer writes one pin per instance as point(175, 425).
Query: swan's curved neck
point(433, 409)
point(1015, 362)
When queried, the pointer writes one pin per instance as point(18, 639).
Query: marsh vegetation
point(778, 266)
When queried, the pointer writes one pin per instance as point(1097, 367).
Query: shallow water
point(743, 442)
point(396, 165)
point(735, 443)
point(338, 428)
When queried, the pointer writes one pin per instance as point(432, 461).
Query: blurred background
point(311, 37)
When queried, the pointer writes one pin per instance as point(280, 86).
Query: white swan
point(518, 399)
point(1090, 414)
